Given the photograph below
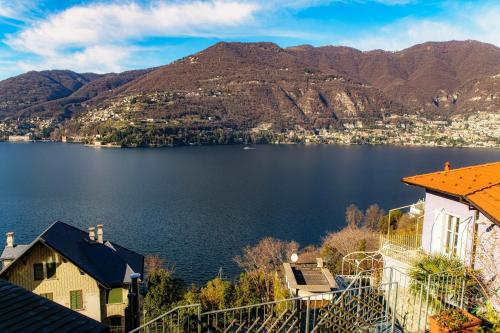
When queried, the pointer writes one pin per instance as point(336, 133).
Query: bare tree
point(373, 215)
point(267, 256)
point(309, 254)
point(353, 216)
point(153, 263)
point(262, 261)
point(350, 239)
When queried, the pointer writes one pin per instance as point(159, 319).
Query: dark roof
point(24, 311)
point(109, 263)
point(12, 252)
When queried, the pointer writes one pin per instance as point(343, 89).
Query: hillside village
point(477, 130)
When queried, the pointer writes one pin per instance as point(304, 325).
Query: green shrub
point(444, 276)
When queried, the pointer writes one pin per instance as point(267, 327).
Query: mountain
point(246, 85)
point(74, 103)
point(32, 88)
point(56, 93)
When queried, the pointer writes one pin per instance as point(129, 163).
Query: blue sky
point(112, 36)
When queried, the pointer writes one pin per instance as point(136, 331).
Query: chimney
point(99, 234)
point(92, 233)
point(10, 239)
point(447, 166)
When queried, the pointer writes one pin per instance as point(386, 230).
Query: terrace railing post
point(308, 309)
point(393, 322)
point(428, 291)
point(199, 319)
point(463, 293)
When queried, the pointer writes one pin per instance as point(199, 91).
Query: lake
point(199, 206)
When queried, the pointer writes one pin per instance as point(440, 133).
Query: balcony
point(403, 239)
point(403, 247)
point(115, 309)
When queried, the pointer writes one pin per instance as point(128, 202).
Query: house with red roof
point(462, 213)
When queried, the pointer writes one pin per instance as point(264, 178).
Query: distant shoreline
point(110, 145)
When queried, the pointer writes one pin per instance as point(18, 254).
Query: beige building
point(19, 138)
point(76, 269)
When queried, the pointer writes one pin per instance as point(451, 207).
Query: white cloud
point(15, 9)
point(99, 58)
point(479, 23)
point(98, 30)
point(7, 10)
point(100, 36)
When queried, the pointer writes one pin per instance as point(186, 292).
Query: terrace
point(403, 240)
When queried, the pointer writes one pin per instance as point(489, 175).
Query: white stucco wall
point(434, 229)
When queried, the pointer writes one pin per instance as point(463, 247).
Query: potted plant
point(454, 320)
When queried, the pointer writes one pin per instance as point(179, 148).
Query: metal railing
point(379, 299)
point(415, 300)
point(409, 240)
point(360, 308)
point(401, 254)
point(180, 319)
point(116, 329)
point(356, 262)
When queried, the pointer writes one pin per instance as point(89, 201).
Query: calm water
point(199, 206)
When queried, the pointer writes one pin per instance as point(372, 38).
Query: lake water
point(199, 206)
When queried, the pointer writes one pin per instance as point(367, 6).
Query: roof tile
point(478, 184)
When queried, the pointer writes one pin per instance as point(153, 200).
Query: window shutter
point(76, 299)
point(72, 297)
point(115, 296)
point(38, 272)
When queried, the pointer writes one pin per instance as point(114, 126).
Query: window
point(48, 296)
point(76, 299)
point(115, 296)
point(451, 237)
point(38, 272)
point(51, 270)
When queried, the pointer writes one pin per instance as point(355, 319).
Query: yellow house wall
point(68, 277)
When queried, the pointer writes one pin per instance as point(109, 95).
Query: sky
point(112, 36)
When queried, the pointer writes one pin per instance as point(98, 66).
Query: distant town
point(481, 129)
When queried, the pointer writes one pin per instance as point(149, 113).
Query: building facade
point(75, 269)
point(462, 214)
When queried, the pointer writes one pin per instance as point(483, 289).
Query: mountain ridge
point(243, 85)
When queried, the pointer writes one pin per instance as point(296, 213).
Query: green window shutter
point(38, 271)
point(51, 270)
point(76, 299)
point(115, 296)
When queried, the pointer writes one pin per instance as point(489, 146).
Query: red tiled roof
point(479, 185)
